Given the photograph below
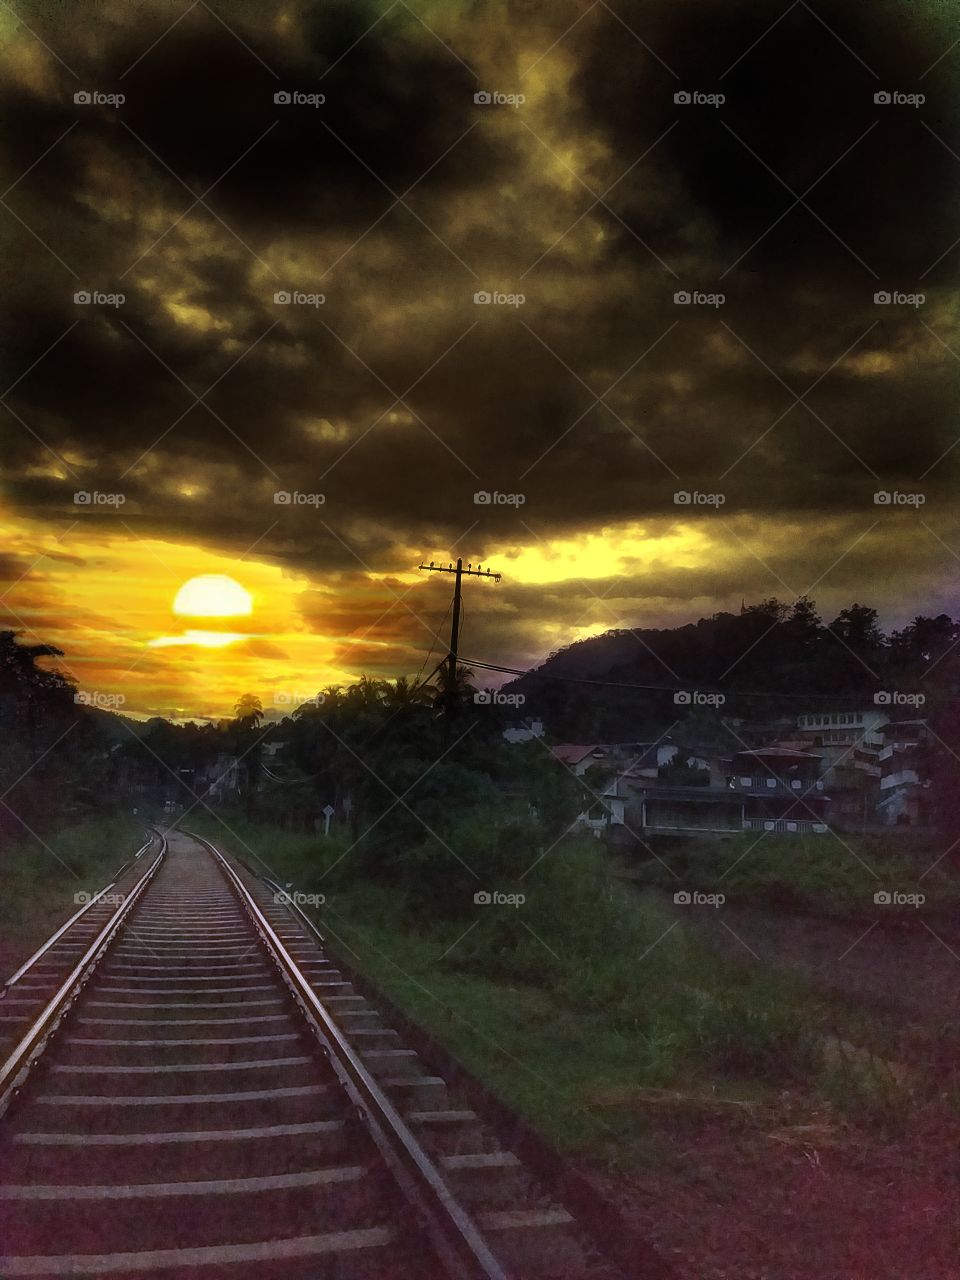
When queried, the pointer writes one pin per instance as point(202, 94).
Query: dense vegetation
point(574, 1001)
point(771, 659)
point(433, 758)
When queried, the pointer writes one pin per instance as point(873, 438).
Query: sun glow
point(206, 639)
point(213, 595)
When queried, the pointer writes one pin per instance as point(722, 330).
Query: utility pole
point(459, 571)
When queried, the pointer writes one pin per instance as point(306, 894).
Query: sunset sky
point(199, 398)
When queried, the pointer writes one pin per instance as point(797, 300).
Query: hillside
point(763, 662)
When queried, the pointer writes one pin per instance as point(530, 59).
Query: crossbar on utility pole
point(459, 571)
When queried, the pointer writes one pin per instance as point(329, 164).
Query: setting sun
point(213, 595)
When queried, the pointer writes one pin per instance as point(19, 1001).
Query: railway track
point(196, 1091)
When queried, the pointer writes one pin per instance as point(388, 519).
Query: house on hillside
point(782, 790)
point(220, 780)
point(634, 798)
point(578, 758)
point(762, 733)
point(606, 808)
point(656, 808)
point(849, 741)
point(842, 728)
point(524, 731)
point(904, 774)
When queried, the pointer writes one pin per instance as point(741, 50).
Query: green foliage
point(610, 973)
point(821, 874)
point(38, 881)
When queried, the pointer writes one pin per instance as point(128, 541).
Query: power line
point(417, 680)
point(456, 625)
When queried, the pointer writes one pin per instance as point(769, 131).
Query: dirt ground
point(751, 1199)
point(915, 968)
point(793, 1190)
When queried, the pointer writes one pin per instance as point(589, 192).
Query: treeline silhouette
point(771, 660)
point(417, 765)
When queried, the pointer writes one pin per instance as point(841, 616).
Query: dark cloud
point(502, 398)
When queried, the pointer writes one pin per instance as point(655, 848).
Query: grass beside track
point(38, 882)
point(832, 874)
point(576, 1004)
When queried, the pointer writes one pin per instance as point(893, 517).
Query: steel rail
point(288, 897)
point(453, 1233)
point(55, 937)
point(17, 1067)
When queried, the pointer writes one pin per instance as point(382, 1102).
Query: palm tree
point(248, 711)
point(452, 691)
point(249, 715)
point(404, 695)
point(366, 694)
point(28, 693)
